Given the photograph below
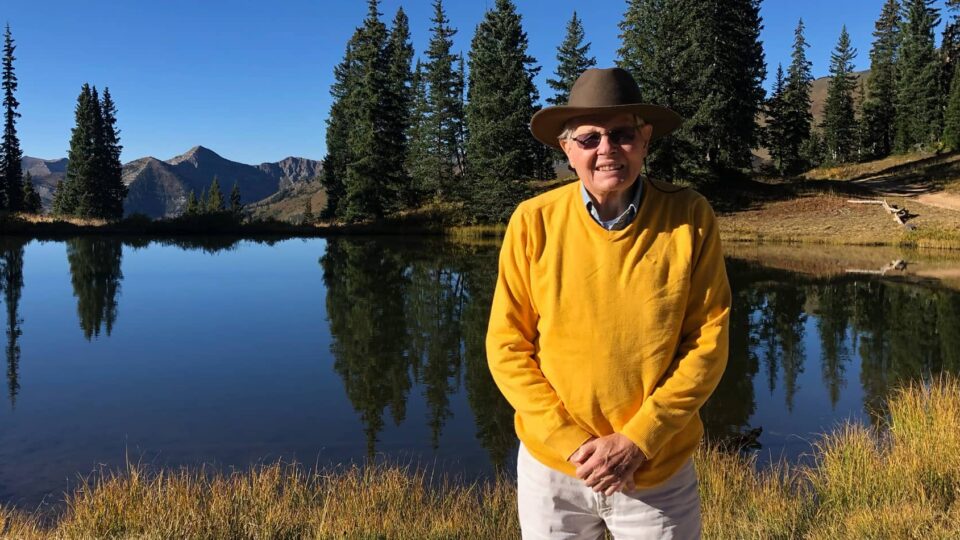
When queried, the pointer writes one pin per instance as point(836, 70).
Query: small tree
point(236, 205)
point(308, 211)
point(193, 207)
point(31, 199)
point(214, 202)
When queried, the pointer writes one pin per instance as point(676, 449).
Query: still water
point(329, 351)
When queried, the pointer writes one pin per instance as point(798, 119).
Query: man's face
point(612, 166)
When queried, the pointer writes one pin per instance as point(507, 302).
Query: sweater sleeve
point(702, 351)
point(511, 351)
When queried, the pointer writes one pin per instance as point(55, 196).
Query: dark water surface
point(329, 351)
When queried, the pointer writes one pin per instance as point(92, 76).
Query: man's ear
point(645, 132)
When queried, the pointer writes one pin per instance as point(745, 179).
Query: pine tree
point(951, 127)
point(501, 154)
point(419, 156)
point(214, 202)
point(113, 190)
point(11, 174)
point(660, 52)
point(440, 157)
point(364, 190)
point(839, 122)
point(31, 199)
point(308, 211)
point(879, 109)
point(334, 166)
point(919, 116)
point(949, 48)
point(193, 206)
point(776, 128)
point(572, 60)
point(797, 116)
point(236, 203)
point(396, 192)
point(730, 75)
point(77, 193)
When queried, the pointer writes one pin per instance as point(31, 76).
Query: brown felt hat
point(602, 91)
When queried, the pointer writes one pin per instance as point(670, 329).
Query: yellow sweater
point(594, 332)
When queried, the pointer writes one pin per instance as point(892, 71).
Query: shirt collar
point(624, 218)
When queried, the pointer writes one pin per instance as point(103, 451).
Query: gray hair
point(571, 125)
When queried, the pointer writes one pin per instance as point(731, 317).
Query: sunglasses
point(618, 136)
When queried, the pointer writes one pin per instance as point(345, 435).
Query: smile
point(609, 167)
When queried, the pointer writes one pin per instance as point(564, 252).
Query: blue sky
point(251, 79)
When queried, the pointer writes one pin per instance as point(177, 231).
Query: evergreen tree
point(214, 202)
point(334, 166)
point(11, 174)
point(879, 109)
point(112, 189)
point(31, 199)
point(77, 193)
point(730, 76)
point(659, 51)
point(813, 152)
point(501, 154)
point(797, 116)
point(918, 111)
point(951, 127)
point(236, 203)
point(419, 155)
point(572, 60)
point(396, 191)
point(776, 128)
point(839, 122)
point(366, 170)
point(193, 206)
point(949, 48)
point(308, 211)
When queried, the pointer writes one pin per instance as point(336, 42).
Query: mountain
point(160, 188)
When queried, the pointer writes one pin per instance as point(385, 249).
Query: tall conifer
point(919, 113)
point(419, 161)
point(501, 154)
point(366, 172)
point(76, 193)
point(11, 174)
point(879, 108)
point(659, 51)
point(776, 129)
point(334, 166)
point(396, 190)
point(839, 122)
point(113, 190)
point(797, 116)
point(572, 59)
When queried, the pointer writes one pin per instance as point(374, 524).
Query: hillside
point(160, 188)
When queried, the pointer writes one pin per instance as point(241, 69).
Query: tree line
point(401, 135)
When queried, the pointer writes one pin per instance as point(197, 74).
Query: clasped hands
point(606, 464)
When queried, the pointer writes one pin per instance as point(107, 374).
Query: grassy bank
point(902, 481)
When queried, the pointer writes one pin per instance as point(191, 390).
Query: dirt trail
point(940, 199)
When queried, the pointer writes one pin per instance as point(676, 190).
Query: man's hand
point(607, 463)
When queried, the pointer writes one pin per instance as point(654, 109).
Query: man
point(608, 329)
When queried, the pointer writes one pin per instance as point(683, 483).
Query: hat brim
point(547, 123)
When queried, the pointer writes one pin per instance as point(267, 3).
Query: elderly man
point(608, 329)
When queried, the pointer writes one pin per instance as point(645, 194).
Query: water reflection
point(409, 317)
point(95, 274)
point(11, 282)
point(418, 311)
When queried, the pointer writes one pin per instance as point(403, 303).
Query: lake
point(330, 351)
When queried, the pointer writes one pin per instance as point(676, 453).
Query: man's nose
point(605, 146)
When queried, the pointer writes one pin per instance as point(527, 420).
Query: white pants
point(554, 505)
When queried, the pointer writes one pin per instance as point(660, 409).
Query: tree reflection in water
point(95, 274)
point(11, 282)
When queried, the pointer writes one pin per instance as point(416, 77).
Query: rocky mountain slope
point(160, 188)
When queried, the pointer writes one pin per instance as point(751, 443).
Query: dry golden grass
point(902, 481)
